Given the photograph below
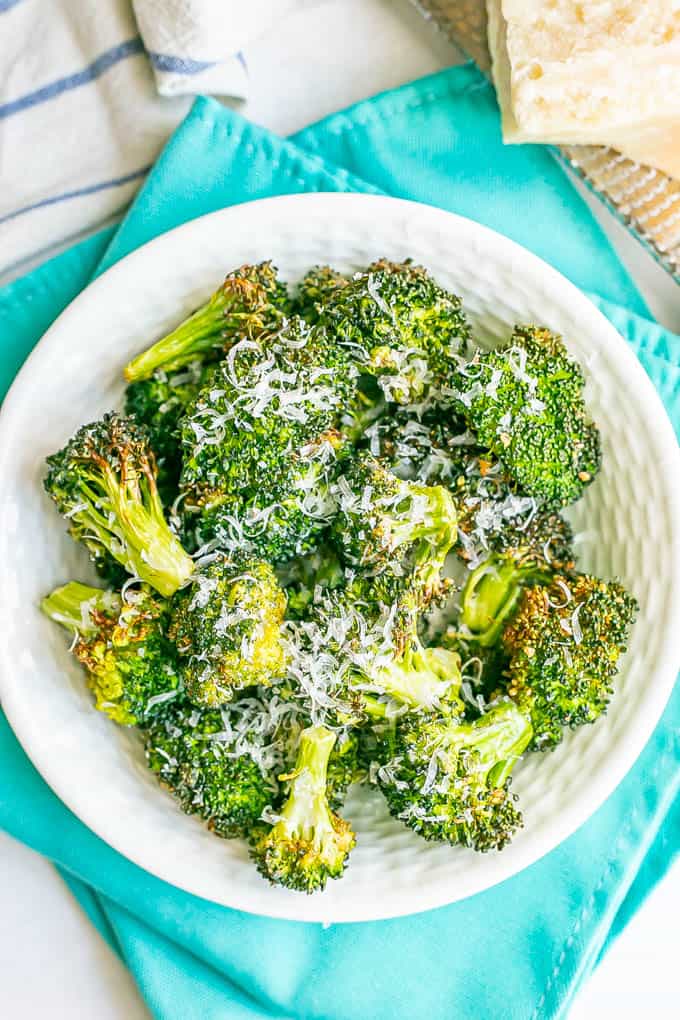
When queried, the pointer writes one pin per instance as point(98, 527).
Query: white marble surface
point(52, 963)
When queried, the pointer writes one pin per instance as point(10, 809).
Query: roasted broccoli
point(362, 574)
point(395, 527)
point(212, 762)
point(564, 643)
point(261, 443)
point(250, 302)
point(525, 404)
point(159, 403)
point(430, 446)
point(104, 482)
point(308, 576)
point(436, 448)
point(406, 330)
point(309, 843)
point(226, 626)
point(131, 666)
point(450, 781)
point(353, 655)
point(316, 288)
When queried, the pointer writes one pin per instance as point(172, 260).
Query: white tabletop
point(52, 963)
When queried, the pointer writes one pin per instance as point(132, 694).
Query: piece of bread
point(603, 72)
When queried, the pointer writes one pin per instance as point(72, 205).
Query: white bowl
point(628, 519)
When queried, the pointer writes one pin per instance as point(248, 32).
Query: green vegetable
point(451, 781)
point(250, 302)
point(159, 403)
point(492, 591)
point(227, 628)
point(104, 482)
point(525, 404)
point(309, 843)
point(389, 525)
point(131, 666)
point(382, 586)
point(564, 645)
point(202, 757)
point(261, 443)
point(316, 288)
point(407, 331)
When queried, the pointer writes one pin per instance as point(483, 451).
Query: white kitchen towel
point(197, 45)
point(81, 118)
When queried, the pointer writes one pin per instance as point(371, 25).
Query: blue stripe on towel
point(179, 65)
point(6, 4)
point(90, 189)
point(73, 81)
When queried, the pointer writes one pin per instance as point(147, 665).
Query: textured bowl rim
point(116, 832)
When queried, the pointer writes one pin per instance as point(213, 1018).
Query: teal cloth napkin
point(520, 950)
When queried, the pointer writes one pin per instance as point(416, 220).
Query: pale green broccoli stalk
point(309, 843)
point(492, 592)
point(131, 666)
point(250, 302)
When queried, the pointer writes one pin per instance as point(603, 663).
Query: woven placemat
point(645, 199)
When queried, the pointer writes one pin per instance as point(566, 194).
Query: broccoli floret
point(436, 448)
point(209, 763)
point(250, 302)
point(406, 329)
point(354, 656)
point(564, 644)
point(525, 404)
point(159, 403)
point(450, 781)
point(104, 482)
point(309, 843)
point(494, 518)
point(394, 526)
point(227, 628)
point(316, 288)
point(261, 443)
point(131, 666)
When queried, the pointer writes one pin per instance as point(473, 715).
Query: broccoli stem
point(436, 533)
point(421, 677)
point(306, 811)
point(491, 594)
point(73, 603)
point(149, 549)
point(499, 737)
point(192, 340)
